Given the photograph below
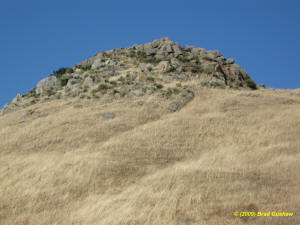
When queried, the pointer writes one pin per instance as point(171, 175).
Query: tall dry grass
point(222, 153)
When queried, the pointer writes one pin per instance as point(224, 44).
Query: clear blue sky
point(37, 37)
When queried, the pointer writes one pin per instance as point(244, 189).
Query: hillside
point(193, 151)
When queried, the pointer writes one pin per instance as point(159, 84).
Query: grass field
point(222, 153)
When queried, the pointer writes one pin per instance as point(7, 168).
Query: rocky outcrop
point(49, 84)
point(160, 67)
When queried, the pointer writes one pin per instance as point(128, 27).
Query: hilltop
point(161, 68)
point(129, 137)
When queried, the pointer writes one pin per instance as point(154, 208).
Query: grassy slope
point(221, 153)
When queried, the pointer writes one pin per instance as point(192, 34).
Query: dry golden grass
point(222, 153)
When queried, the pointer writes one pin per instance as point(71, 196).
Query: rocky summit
point(161, 68)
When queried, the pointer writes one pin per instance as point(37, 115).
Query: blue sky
point(37, 37)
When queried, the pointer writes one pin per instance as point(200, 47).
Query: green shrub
point(132, 53)
point(197, 60)
point(115, 91)
point(113, 82)
point(31, 93)
point(171, 91)
point(159, 86)
point(251, 84)
point(84, 67)
point(183, 59)
point(121, 78)
point(58, 73)
point(176, 91)
point(64, 81)
point(152, 60)
point(151, 79)
point(208, 58)
point(50, 92)
point(197, 69)
point(103, 87)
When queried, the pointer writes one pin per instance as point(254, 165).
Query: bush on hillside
point(251, 84)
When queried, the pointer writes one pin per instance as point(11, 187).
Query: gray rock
point(149, 50)
point(108, 116)
point(98, 95)
point(109, 98)
point(195, 51)
point(73, 84)
point(57, 96)
point(98, 63)
point(249, 95)
point(156, 43)
point(24, 117)
point(204, 83)
point(130, 94)
point(95, 99)
point(48, 84)
point(88, 82)
point(110, 63)
point(183, 77)
point(117, 95)
point(175, 63)
point(149, 92)
point(76, 93)
point(10, 107)
point(140, 103)
point(124, 91)
point(164, 66)
point(175, 106)
point(229, 61)
point(213, 54)
point(168, 48)
point(17, 98)
point(146, 67)
point(177, 50)
point(67, 96)
point(209, 65)
point(239, 72)
point(218, 83)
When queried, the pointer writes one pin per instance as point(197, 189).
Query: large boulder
point(238, 71)
point(209, 65)
point(149, 50)
point(164, 66)
point(51, 83)
point(98, 63)
point(88, 82)
point(175, 63)
point(177, 50)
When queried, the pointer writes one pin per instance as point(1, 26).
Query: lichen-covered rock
point(239, 72)
point(17, 98)
point(73, 84)
point(88, 82)
point(50, 83)
point(164, 66)
point(10, 107)
point(209, 65)
point(98, 63)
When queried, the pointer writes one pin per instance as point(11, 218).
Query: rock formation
point(161, 67)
